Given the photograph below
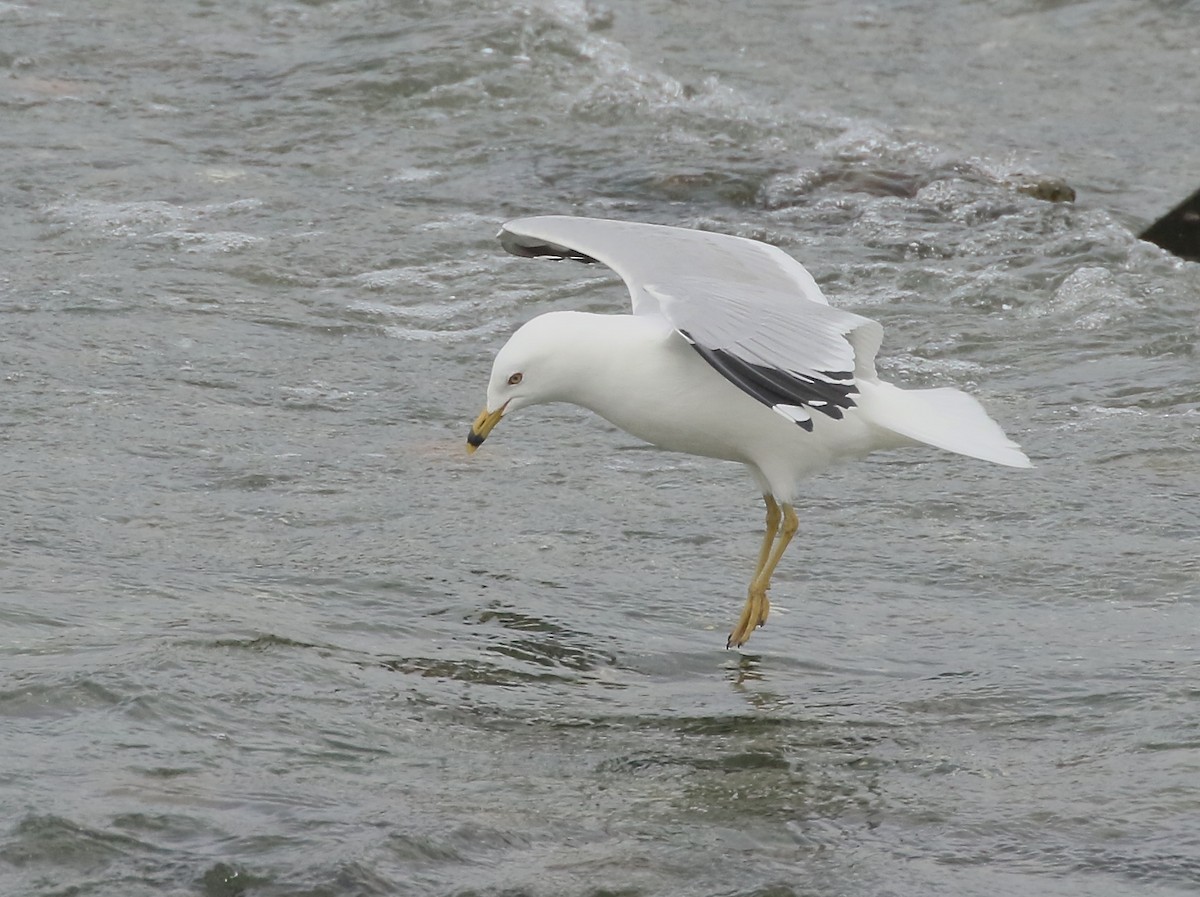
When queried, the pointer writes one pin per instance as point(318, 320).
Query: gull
point(731, 352)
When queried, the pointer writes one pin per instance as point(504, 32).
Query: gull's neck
point(598, 357)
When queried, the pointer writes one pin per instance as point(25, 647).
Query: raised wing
point(654, 253)
point(749, 309)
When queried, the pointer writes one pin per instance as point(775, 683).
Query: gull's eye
point(515, 379)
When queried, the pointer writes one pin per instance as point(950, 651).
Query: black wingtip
point(533, 248)
point(832, 391)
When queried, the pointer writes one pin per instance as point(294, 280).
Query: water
point(268, 631)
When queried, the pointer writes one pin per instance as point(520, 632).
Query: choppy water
point(266, 630)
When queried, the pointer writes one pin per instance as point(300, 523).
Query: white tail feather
point(945, 418)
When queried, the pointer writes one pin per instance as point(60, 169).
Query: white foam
point(424, 334)
point(199, 241)
point(146, 217)
point(1092, 295)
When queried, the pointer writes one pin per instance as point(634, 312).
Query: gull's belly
point(727, 424)
point(682, 404)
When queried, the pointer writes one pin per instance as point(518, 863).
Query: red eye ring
point(515, 379)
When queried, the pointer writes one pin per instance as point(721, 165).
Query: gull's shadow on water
point(747, 677)
point(745, 668)
point(744, 671)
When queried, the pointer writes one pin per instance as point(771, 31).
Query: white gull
point(731, 352)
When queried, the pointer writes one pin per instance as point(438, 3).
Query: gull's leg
point(773, 518)
point(754, 613)
point(790, 525)
point(757, 606)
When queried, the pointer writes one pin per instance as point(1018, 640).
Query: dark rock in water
point(1178, 231)
point(1044, 187)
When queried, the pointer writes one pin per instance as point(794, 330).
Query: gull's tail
point(945, 418)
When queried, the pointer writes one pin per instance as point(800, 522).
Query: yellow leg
point(790, 525)
point(754, 613)
point(773, 518)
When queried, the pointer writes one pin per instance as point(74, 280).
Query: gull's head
point(530, 369)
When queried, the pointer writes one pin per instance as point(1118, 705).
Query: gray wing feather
point(643, 253)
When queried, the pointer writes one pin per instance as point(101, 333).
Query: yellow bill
point(483, 425)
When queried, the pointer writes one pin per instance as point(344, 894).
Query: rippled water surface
point(267, 630)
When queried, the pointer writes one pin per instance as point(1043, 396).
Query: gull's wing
point(751, 310)
point(654, 253)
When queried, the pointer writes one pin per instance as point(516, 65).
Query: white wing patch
point(795, 413)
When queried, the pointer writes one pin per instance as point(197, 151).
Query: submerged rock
point(1040, 186)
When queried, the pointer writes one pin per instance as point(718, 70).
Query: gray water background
point(265, 629)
